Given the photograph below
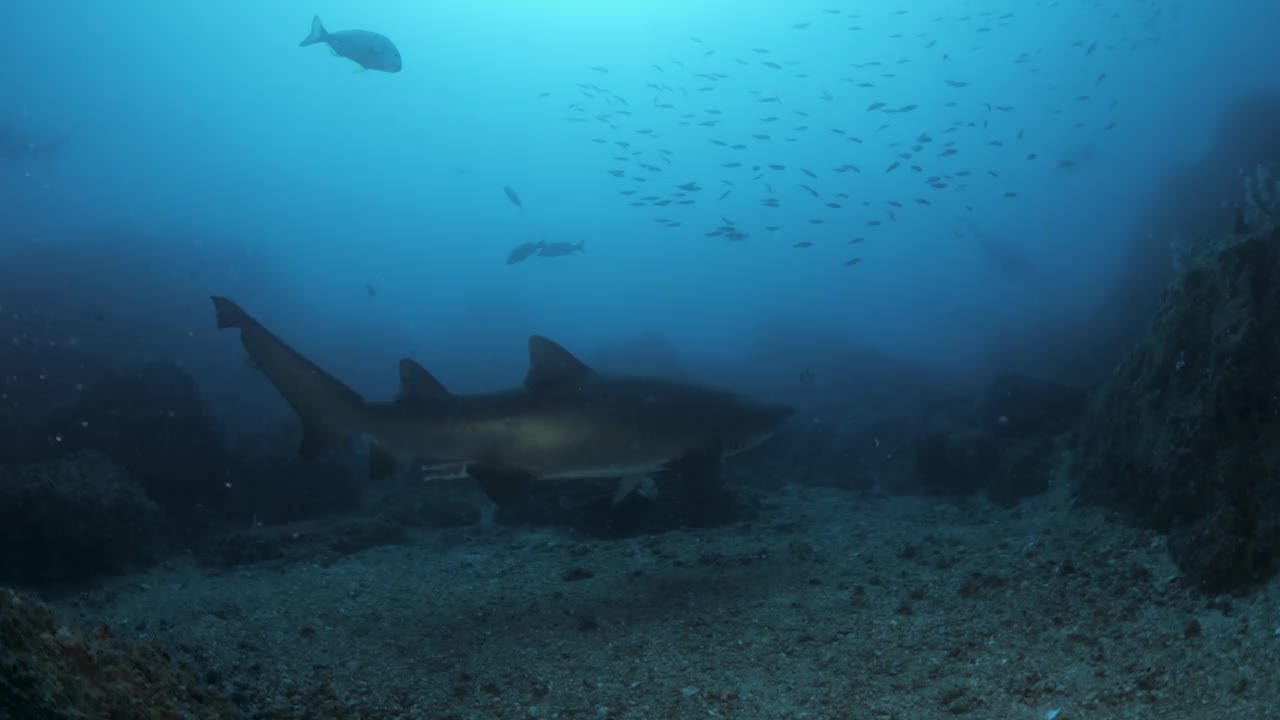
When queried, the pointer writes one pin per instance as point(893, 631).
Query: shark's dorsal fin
point(550, 365)
point(417, 386)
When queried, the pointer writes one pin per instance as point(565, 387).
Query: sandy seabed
point(828, 606)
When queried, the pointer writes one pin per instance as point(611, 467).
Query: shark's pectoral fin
point(382, 464)
point(501, 485)
point(699, 468)
point(708, 503)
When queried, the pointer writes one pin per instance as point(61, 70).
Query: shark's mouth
point(741, 445)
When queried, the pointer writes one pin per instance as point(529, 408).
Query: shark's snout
point(780, 413)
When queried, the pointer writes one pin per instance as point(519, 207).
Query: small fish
point(370, 290)
point(514, 198)
point(852, 261)
point(805, 244)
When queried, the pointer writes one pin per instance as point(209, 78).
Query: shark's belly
point(582, 449)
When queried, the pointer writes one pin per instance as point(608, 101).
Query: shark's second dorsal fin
point(417, 386)
point(550, 364)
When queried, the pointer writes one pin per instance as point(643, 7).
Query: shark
point(566, 420)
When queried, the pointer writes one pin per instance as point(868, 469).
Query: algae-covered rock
point(1185, 436)
point(73, 518)
point(49, 671)
point(153, 422)
point(1261, 208)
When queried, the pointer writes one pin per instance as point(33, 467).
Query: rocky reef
point(152, 422)
point(1185, 436)
point(1008, 449)
point(74, 518)
point(49, 670)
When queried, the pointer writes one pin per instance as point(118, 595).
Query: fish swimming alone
point(368, 49)
point(513, 196)
point(523, 251)
point(566, 421)
point(560, 249)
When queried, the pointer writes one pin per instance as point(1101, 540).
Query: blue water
point(216, 155)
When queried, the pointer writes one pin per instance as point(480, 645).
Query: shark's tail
point(330, 411)
point(581, 246)
point(318, 33)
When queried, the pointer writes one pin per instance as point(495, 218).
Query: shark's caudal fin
point(318, 33)
point(329, 410)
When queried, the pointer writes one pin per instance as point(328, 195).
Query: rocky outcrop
point(1185, 436)
point(153, 423)
point(1008, 449)
point(68, 520)
point(49, 670)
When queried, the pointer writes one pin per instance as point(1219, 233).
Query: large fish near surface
point(368, 49)
point(566, 421)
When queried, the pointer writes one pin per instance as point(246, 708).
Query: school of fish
point(954, 133)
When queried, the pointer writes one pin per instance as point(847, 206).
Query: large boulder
point(1183, 437)
point(37, 376)
point(68, 520)
point(153, 423)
